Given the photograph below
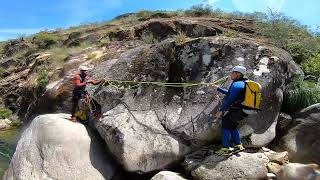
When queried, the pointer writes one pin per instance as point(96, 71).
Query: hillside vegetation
point(59, 46)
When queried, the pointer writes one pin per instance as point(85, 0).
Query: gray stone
point(278, 157)
point(53, 147)
point(296, 171)
point(240, 166)
point(284, 121)
point(138, 140)
point(302, 140)
point(273, 167)
point(167, 175)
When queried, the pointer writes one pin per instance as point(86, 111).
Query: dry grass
point(59, 54)
point(180, 38)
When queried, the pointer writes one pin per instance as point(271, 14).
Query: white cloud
point(212, 2)
point(275, 4)
point(258, 5)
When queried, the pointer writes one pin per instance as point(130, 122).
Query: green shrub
point(42, 80)
point(177, 13)
point(300, 94)
point(92, 56)
point(129, 21)
point(2, 45)
point(104, 42)
point(148, 38)
point(287, 33)
point(231, 34)
point(46, 39)
point(312, 65)
point(2, 70)
point(199, 10)
point(5, 113)
point(276, 31)
point(299, 51)
point(144, 14)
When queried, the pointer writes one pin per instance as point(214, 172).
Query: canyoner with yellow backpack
point(252, 98)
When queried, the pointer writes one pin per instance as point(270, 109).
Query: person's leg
point(226, 133)
point(225, 150)
point(237, 141)
point(235, 136)
point(75, 101)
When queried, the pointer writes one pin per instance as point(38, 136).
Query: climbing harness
point(86, 109)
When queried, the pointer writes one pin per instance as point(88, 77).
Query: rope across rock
point(164, 84)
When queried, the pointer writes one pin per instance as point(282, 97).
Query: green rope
point(164, 84)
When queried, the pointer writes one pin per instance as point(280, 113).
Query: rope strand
point(164, 84)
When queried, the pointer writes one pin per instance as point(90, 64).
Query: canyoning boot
point(238, 148)
point(224, 152)
point(73, 119)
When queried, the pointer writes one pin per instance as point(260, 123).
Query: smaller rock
point(73, 39)
point(283, 121)
point(5, 124)
point(296, 171)
point(302, 139)
point(311, 78)
point(242, 166)
point(271, 176)
point(200, 92)
point(274, 58)
point(280, 158)
point(266, 149)
point(176, 98)
point(167, 175)
point(273, 167)
point(14, 46)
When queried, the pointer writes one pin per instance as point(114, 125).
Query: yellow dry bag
point(252, 98)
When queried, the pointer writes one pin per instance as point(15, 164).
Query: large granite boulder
point(53, 147)
point(138, 139)
point(302, 139)
point(185, 114)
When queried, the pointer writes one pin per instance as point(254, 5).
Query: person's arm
point(235, 91)
point(94, 82)
point(222, 90)
point(219, 89)
point(77, 81)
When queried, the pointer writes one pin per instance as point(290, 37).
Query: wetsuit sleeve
point(77, 81)
point(235, 91)
point(222, 90)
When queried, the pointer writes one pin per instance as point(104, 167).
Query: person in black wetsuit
point(231, 111)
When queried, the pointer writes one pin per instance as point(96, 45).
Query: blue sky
point(21, 17)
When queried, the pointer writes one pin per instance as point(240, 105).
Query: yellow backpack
point(252, 98)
